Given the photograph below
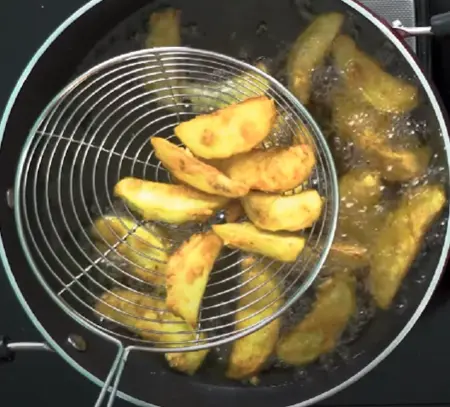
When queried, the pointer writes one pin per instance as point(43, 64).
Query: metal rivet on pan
point(10, 198)
point(77, 342)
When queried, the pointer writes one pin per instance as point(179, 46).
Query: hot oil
point(407, 131)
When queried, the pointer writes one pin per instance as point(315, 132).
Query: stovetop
point(416, 373)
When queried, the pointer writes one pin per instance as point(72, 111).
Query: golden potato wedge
point(221, 94)
point(309, 52)
point(196, 173)
point(380, 89)
point(260, 289)
point(188, 272)
point(360, 212)
point(347, 255)
point(275, 212)
point(123, 306)
point(229, 131)
point(370, 132)
point(175, 204)
point(399, 240)
point(163, 31)
point(395, 164)
point(146, 249)
point(142, 315)
point(320, 330)
point(245, 236)
point(274, 170)
point(360, 187)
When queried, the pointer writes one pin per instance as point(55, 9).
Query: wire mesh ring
point(95, 132)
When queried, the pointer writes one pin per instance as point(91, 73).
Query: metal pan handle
point(8, 349)
point(440, 27)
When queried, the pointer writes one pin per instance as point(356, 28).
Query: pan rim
point(394, 343)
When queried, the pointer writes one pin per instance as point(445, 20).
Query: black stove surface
point(416, 373)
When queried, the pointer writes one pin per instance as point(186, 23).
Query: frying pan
point(104, 29)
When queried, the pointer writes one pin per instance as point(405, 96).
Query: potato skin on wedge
point(144, 247)
point(274, 170)
point(399, 240)
point(229, 131)
point(245, 236)
point(188, 272)
point(260, 288)
point(175, 204)
point(290, 213)
point(320, 330)
point(309, 52)
point(134, 310)
point(196, 173)
point(380, 89)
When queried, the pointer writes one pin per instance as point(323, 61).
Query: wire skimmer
point(95, 132)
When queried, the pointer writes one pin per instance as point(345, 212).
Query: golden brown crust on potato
point(232, 130)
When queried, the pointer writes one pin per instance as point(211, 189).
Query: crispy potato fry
point(175, 204)
point(229, 131)
point(249, 354)
point(274, 170)
point(164, 31)
point(221, 94)
point(370, 131)
point(382, 90)
point(188, 272)
point(245, 236)
point(400, 239)
point(291, 213)
point(309, 52)
point(145, 248)
point(133, 310)
point(320, 330)
point(196, 173)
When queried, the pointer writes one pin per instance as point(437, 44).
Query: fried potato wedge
point(274, 170)
point(221, 94)
point(175, 204)
point(309, 51)
point(196, 173)
point(290, 213)
point(370, 132)
point(260, 289)
point(229, 131)
point(188, 272)
point(360, 187)
point(164, 28)
point(379, 88)
point(347, 255)
point(319, 331)
point(146, 249)
point(245, 236)
point(395, 164)
point(360, 212)
point(400, 238)
point(142, 315)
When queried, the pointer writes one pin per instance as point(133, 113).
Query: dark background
point(416, 373)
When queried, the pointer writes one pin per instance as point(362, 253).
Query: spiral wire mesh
point(96, 132)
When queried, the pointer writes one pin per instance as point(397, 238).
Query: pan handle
point(440, 27)
point(8, 349)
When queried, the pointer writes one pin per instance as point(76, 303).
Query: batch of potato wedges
point(222, 167)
